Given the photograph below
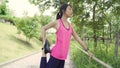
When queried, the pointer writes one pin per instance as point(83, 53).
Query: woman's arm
point(78, 39)
point(46, 27)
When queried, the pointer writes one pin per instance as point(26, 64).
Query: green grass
point(82, 61)
point(13, 45)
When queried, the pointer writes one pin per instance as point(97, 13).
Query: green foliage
point(13, 45)
point(3, 9)
point(92, 17)
point(8, 18)
point(28, 26)
point(116, 17)
point(82, 61)
point(43, 5)
point(83, 12)
point(43, 20)
point(116, 24)
point(5, 13)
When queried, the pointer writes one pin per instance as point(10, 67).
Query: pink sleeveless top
point(61, 48)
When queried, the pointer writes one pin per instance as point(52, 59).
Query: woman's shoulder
point(57, 21)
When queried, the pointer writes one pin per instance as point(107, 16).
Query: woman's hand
point(90, 54)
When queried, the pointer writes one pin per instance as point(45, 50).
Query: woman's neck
point(64, 18)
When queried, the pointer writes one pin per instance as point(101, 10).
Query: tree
point(3, 8)
point(28, 26)
point(90, 13)
point(116, 26)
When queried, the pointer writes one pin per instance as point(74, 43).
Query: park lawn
point(13, 45)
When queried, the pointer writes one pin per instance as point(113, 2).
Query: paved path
point(33, 61)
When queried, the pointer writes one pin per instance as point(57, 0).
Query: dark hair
point(61, 9)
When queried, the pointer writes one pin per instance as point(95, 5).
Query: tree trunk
point(107, 45)
point(110, 32)
point(95, 41)
point(116, 44)
point(94, 27)
point(110, 28)
point(103, 39)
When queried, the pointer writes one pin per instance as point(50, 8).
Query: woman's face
point(69, 11)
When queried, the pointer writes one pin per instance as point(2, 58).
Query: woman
point(64, 31)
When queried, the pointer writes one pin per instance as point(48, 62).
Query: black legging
point(52, 63)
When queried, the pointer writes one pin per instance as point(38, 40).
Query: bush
point(7, 18)
point(3, 8)
point(28, 26)
point(43, 20)
point(82, 61)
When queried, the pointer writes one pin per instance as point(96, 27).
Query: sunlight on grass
point(13, 45)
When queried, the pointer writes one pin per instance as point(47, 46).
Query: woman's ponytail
point(58, 15)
